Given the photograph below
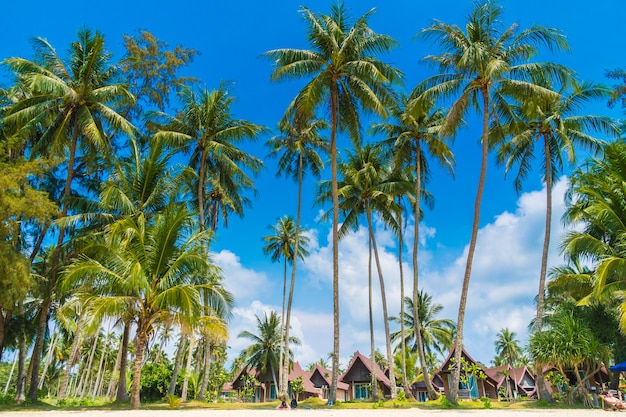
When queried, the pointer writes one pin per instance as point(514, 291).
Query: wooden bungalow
point(475, 387)
point(322, 379)
point(358, 378)
point(309, 389)
point(418, 389)
point(520, 381)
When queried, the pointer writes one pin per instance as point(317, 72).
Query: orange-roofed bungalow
point(475, 387)
point(358, 378)
point(322, 378)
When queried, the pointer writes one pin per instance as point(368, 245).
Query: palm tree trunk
point(100, 367)
point(541, 385)
point(47, 299)
point(183, 394)
point(458, 343)
point(122, 392)
point(141, 338)
point(20, 383)
point(432, 394)
point(405, 383)
point(332, 395)
point(51, 346)
point(371, 317)
point(390, 364)
point(6, 387)
point(296, 249)
point(88, 371)
point(205, 371)
point(281, 351)
point(71, 360)
point(179, 357)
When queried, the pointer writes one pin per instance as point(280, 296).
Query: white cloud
point(502, 289)
point(242, 282)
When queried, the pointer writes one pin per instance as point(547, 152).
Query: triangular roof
point(365, 361)
point(322, 372)
point(297, 371)
point(445, 366)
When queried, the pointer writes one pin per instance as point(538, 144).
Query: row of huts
point(354, 383)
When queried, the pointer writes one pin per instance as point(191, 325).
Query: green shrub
point(542, 403)
point(445, 404)
point(6, 399)
point(486, 402)
point(401, 396)
point(172, 400)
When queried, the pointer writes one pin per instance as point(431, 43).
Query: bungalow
point(474, 386)
point(322, 379)
point(418, 389)
point(519, 381)
point(309, 389)
point(358, 378)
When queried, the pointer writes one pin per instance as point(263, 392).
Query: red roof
point(380, 374)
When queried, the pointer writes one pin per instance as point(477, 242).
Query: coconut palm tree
point(554, 126)
point(508, 351)
point(298, 145)
point(475, 65)
point(282, 244)
point(437, 334)
point(67, 110)
point(344, 76)
point(153, 271)
point(367, 189)
point(263, 354)
point(207, 130)
point(412, 133)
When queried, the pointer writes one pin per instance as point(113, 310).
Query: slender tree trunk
point(49, 354)
point(100, 367)
point(47, 300)
point(141, 339)
point(458, 343)
point(5, 319)
point(296, 249)
point(71, 360)
point(417, 324)
point(6, 387)
point(405, 382)
point(180, 352)
point(371, 319)
point(205, 371)
point(20, 383)
point(332, 395)
point(183, 395)
point(115, 372)
point(541, 384)
point(390, 364)
point(122, 392)
point(88, 371)
point(281, 348)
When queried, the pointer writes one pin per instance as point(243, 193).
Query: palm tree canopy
point(281, 244)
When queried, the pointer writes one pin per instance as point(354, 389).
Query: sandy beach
point(311, 413)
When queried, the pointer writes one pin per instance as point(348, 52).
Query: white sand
point(413, 412)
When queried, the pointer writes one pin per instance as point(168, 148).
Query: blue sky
point(231, 36)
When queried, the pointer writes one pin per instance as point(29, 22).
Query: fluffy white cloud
point(503, 286)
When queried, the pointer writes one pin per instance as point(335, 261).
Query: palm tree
point(263, 354)
point(299, 144)
point(155, 272)
point(345, 77)
point(508, 351)
point(413, 132)
point(366, 189)
point(553, 124)
point(68, 101)
point(206, 128)
point(437, 334)
point(282, 244)
point(477, 64)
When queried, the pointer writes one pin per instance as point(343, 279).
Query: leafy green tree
point(475, 65)
point(437, 334)
point(153, 271)
point(69, 101)
point(283, 243)
point(264, 352)
point(411, 135)
point(344, 76)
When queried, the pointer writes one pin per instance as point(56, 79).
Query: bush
point(486, 402)
point(155, 381)
point(6, 399)
point(401, 396)
point(445, 404)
